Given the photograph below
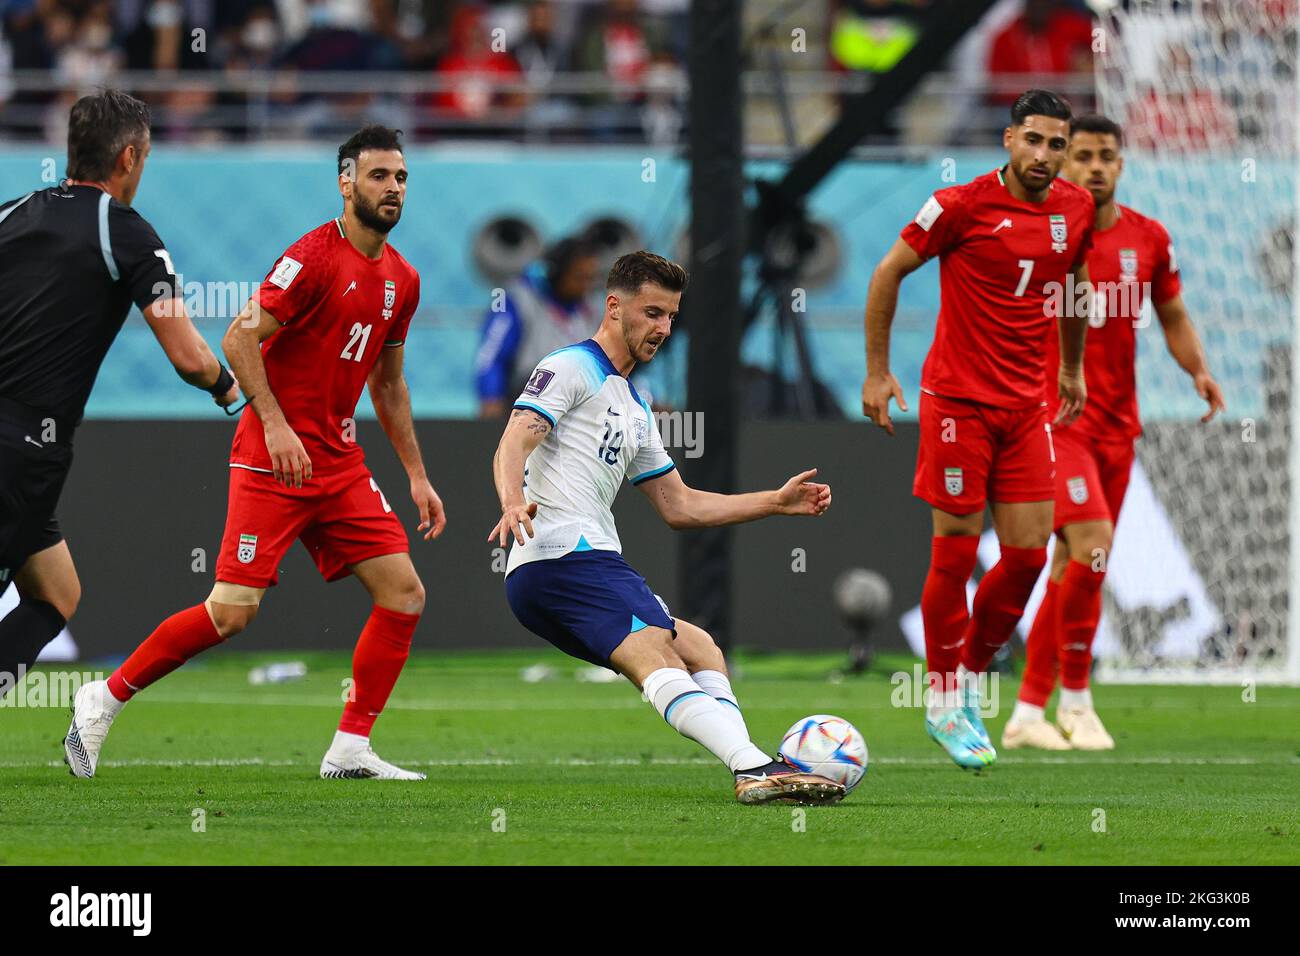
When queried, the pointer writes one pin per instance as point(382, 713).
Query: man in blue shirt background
point(548, 307)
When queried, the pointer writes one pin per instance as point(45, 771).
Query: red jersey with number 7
point(338, 310)
point(1001, 262)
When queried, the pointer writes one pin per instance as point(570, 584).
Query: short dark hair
point(630, 272)
point(1039, 103)
point(1096, 123)
point(370, 136)
point(100, 126)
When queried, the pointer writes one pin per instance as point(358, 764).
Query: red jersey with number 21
point(338, 310)
point(998, 260)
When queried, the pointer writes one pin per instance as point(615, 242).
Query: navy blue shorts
point(584, 603)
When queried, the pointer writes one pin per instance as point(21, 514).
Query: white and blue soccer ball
point(826, 745)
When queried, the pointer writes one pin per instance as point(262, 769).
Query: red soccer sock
point(943, 604)
point(1079, 611)
point(999, 603)
point(384, 645)
point(177, 639)
point(1040, 651)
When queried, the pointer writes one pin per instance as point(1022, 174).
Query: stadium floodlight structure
point(1208, 94)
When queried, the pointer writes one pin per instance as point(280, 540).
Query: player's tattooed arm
point(524, 431)
point(529, 419)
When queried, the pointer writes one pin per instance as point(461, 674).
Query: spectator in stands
point(89, 59)
point(1177, 114)
point(160, 34)
point(541, 54)
point(334, 41)
point(616, 43)
point(546, 308)
point(1049, 39)
point(474, 67)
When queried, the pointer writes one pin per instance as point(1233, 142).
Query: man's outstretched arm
point(1185, 346)
point(882, 300)
point(243, 347)
point(682, 506)
point(392, 401)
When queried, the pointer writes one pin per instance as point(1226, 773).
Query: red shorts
point(1091, 477)
point(341, 519)
point(972, 453)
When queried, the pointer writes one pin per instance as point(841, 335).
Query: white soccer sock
point(1076, 699)
point(345, 742)
point(718, 686)
point(1026, 712)
point(693, 713)
point(939, 702)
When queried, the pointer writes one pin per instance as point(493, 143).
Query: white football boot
point(1083, 729)
point(1035, 734)
point(350, 758)
point(93, 710)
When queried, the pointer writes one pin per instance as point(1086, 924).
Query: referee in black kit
point(73, 258)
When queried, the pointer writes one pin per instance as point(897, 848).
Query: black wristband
point(222, 384)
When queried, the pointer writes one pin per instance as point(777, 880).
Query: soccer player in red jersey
point(1132, 261)
point(330, 318)
point(1011, 247)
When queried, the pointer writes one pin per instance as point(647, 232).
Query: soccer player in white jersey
point(577, 429)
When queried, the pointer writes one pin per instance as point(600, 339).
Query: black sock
point(24, 632)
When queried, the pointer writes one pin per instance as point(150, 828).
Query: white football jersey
point(601, 432)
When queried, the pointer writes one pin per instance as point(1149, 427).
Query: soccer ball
point(826, 745)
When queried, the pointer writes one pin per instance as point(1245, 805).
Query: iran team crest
point(247, 548)
point(1078, 488)
point(952, 481)
point(390, 293)
point(1059, 232)
point(1128, 264)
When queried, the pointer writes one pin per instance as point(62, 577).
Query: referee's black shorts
point(32, 472)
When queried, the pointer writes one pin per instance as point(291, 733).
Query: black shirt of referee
point(73, 260)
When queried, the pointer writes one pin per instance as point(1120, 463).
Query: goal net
point(1202, 578)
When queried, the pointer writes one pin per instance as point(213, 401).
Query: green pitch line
point(563, 771)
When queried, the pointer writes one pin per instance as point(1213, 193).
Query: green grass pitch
point(568, 772)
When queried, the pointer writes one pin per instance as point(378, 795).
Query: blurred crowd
point(575, 70)
point(247, 64)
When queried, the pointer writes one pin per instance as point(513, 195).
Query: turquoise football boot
point(970, 706)
point(954, 733)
